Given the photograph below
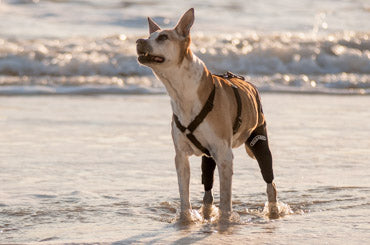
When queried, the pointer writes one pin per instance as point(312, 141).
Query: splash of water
point(209, 212)
point(276, 210)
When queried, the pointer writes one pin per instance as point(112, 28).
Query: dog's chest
point(186, 110)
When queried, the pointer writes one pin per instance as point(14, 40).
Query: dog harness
point(207, 108)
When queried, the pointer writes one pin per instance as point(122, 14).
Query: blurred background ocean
point(88, 46)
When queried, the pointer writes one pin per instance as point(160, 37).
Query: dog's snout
point(143, 46)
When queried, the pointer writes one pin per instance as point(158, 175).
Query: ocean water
point(88, 47)
point(95, 164)
point(100, 170)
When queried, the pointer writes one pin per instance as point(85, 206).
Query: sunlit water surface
point(100, 169)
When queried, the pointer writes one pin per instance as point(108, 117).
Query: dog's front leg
point(183, 177)
point(224, 161)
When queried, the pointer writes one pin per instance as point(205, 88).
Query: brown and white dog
point(189, 84)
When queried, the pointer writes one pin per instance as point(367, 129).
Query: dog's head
point(166, 47)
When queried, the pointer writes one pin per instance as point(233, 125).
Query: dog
point(211, 115)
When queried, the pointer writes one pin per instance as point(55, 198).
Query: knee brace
point(258, 143)
point(208, 168)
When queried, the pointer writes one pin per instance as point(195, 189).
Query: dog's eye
point(162, 37)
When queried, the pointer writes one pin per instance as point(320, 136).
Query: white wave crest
point(283, 62)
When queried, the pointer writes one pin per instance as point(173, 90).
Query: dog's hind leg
point(257, 143)
point(208, 169)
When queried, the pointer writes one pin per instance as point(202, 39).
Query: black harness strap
point(208, 106)
point(238, 119)
point(199, 145)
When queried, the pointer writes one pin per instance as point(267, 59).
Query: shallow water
point(99, 169)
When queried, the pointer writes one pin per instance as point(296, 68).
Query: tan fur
point(185, 51)
point(222, 117)
point(189, 84)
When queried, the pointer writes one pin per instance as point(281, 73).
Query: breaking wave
point(283, 62)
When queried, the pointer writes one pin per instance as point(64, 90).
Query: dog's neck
point(184, 84)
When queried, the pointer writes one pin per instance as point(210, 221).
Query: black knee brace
point(258, 143)
point(208, 168)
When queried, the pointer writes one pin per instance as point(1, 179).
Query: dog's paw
point(275, 210)
point(229, 217)
point(190, 216)
point(210, 212)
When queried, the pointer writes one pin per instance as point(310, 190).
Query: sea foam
point(281, 62)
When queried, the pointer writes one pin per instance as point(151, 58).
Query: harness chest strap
point(208, 106)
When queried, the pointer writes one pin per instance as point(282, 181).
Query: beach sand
point(100, 169)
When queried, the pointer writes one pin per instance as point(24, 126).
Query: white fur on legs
point(183, 177)
point(271, 192)
point(224, 161)
point(272, 200)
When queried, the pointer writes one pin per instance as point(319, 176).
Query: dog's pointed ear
point(153, 27)
point(185, 23)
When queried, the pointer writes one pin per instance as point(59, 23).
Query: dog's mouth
point(145, 57)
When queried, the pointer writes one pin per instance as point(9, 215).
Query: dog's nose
point(142, 46)
point(140, 41)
